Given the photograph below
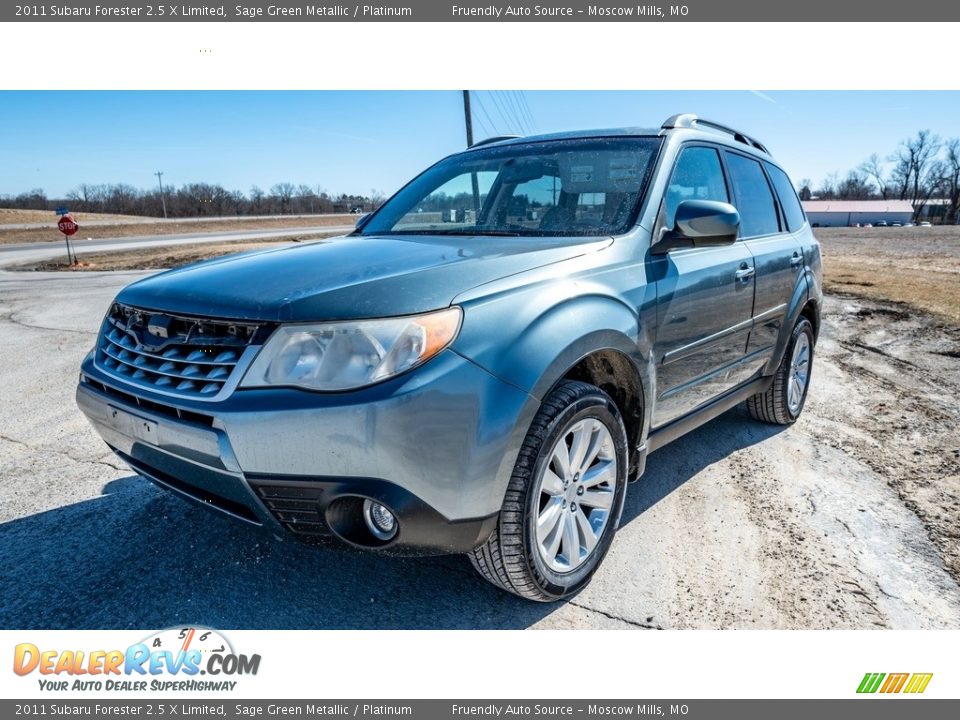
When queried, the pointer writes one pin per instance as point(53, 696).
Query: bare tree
point(855, 186)
point(256, 199)
point(951, 181)
point(284, 193)
point(873, 168)
point(828, 188)
point(917, 172)
point(237, 201)
point(307, 198)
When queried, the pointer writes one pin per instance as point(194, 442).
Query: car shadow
point(138, 557)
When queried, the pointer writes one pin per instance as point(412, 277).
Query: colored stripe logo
point(913, 683)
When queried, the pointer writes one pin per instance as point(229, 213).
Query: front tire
point(783, 401)
point(564, 499)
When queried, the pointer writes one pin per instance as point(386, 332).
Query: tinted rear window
point(754, 198)
point(788, 198)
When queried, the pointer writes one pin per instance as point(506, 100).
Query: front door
point(704, 297)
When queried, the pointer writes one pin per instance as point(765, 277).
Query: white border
point(402, 56)
point(510, 664)
point(635, 664)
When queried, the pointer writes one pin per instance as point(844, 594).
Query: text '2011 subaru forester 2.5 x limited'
point(484, 364)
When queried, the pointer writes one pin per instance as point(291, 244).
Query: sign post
point(68, 227)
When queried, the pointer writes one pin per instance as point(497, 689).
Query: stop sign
point(67, 225)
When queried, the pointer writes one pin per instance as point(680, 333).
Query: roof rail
point(689, 120)
point(496, 138)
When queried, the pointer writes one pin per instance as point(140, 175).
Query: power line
point(513, 114)
point(483, 109)
point(483, 126)
point(510, 124)
point(511, 96)
point(526, 107)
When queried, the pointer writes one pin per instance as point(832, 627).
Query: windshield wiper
point(497, 233)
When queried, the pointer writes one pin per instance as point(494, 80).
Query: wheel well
point(615, 374)
point(811, 313)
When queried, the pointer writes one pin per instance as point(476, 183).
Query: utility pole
point(468, 119)
point(163, 200)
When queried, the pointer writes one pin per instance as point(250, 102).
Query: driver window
point(697, 175)
point(452, 205)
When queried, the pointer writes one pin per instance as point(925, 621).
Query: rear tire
point(564, 499)
point(783, 401)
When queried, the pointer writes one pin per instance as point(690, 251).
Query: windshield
point(565, 187)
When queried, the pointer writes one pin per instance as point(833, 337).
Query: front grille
point(175, 355)
point(159, 408)
point(296, 507)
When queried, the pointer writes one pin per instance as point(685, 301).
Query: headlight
point(346, 355)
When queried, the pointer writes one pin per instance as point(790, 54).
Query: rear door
point(704, 298)
point(776, 250)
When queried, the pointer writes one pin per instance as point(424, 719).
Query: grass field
point(162, 258)
point(919, 267)
point(13, 216)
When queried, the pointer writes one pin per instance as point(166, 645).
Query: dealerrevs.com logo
point(172, 660)
point(892, 683)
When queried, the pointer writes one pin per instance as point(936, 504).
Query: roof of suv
point(685, 121)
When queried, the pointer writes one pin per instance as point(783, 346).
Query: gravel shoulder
point(848, 519)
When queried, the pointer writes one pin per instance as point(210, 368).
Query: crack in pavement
point(61, 453)
point(612, 616)
point(11, 317)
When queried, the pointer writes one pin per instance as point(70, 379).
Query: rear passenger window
point(697, 175)
point(792, 210)
point(758, 211)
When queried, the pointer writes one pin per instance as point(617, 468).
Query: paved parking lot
point(736, 525)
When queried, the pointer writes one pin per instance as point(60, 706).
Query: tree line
point(921, 169)
point(197, 200)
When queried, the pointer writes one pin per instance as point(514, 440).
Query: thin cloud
point(764, 96)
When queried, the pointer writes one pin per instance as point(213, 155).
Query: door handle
point(796, 260)
point(745, 272)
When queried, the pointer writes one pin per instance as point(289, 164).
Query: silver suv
point(487, 361)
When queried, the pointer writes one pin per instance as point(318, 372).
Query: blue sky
point(358, 141)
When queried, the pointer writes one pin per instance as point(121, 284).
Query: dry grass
point(162, 258)
point(171, 228)
point(13, 216)
point(919, 267)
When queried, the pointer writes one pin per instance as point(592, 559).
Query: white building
point(846, 213)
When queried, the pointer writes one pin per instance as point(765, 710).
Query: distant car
point(925, 223)
point(908, 225)
point(881, 223)
point(866, 225)
point(896, 224)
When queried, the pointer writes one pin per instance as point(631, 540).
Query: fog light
point(380, 521)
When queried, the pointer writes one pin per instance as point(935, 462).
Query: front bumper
point(436, 445)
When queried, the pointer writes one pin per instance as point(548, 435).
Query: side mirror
point(362, 220)
point(700, 223)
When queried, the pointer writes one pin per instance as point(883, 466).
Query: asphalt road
point(19, 253)
point(737, 525)
point(87, 223)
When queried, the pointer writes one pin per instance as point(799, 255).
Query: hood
point(348, 278)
